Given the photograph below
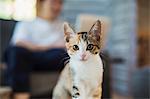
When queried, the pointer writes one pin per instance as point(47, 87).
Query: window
point(17, 9)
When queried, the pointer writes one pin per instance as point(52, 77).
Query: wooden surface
point(5, 92)
point(119, 96)
point(143, 24)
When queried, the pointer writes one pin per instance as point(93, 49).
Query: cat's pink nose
point(83, 56)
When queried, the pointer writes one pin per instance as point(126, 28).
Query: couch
point(42, 82)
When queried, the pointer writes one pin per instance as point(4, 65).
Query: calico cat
point(82, 75)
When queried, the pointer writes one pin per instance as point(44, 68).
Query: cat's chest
point(89, 72)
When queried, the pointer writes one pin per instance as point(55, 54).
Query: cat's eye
point(90, 47)
point(75, 47)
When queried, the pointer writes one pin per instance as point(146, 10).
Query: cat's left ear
point(95, 30)
point(68, 31)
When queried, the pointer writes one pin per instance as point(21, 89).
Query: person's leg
point(51, 60)
point(18, 71)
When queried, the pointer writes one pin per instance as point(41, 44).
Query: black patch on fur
point(84, 37)
point(74, 87)
point(82, 32)
point(96, 52)
point(97, 46)
point(76, 95)
point(67, 39)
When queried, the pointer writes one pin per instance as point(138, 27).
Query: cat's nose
point(83, 56)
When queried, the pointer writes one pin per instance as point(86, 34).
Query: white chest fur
point(88, 72)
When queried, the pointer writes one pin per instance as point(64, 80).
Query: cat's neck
point(94, 65)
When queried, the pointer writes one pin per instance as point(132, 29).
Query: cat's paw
point(76, 93)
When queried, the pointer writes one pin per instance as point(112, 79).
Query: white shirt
point(39, 32)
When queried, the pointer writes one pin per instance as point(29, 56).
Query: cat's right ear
point(68, 31)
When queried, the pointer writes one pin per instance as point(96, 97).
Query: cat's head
point(83, 45)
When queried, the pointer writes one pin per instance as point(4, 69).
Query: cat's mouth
point(83, 59)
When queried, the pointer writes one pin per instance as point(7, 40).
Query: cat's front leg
point(75, 92)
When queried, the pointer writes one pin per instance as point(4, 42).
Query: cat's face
point(83, 45)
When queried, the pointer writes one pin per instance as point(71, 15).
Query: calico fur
point(82, 76)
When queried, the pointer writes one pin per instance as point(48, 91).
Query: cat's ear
point(68, 31)
point(95, 30)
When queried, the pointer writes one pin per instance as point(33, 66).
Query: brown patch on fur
point(98, 92)
point(72, 41)
point(96, 44)
point(89, 39)
point(95, 34)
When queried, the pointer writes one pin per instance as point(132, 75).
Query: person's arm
point(58, 44)
point(30, 46)
point(22, 38)
point(34, 47)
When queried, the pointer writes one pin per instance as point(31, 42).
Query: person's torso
point(42, 32)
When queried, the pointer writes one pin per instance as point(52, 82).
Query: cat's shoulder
point(66, 69)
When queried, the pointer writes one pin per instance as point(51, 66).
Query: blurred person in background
point(36, 44)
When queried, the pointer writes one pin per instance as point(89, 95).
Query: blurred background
point(126, 43)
